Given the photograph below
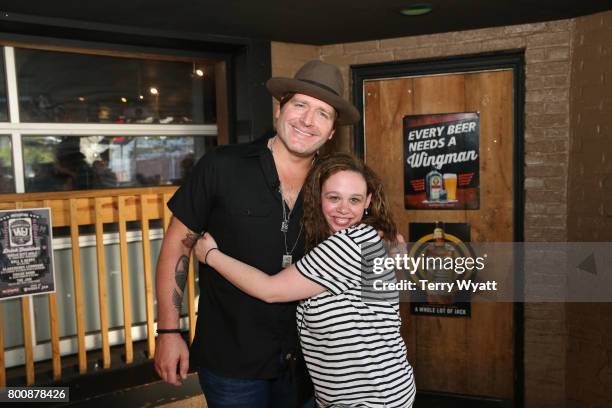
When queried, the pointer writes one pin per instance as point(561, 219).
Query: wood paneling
point(55, 344)
point(102, 298)
point(98, 208)
point(125, 281)
point(148, 278)
point(166, 214)
point(53, 327)
point(78, 287)
point(28, 339)
point(85, 204)
point(75, 208)
point(460, 355)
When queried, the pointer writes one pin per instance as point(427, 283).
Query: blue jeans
point(225, 392)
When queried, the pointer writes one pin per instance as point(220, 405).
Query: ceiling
point(308, 22)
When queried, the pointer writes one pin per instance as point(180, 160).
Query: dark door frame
point(514, 60)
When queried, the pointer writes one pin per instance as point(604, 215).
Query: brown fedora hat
point(319, 80)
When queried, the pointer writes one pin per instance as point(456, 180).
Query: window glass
point(7, 183)
point(4, 117)
point(77, 88)
point(55, 163)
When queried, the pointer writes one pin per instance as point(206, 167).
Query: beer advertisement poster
point(441, 161)
point(26, 253)
point(435, 244)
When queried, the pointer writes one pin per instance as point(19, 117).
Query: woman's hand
point(205, 244)
point(398, 247)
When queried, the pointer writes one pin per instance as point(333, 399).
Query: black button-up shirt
point(233, 193)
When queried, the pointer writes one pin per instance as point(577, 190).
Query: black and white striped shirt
point(351, 341)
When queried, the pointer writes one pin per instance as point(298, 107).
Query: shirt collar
point(257, 147)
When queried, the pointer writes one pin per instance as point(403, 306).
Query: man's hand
point(171, 352)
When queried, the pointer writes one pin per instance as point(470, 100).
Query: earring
point(366, 211)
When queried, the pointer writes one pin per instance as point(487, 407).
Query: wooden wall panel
point(85, 204)
point(459, 355)
point(148, 274)
point(125, 282)
point(490, 93)
point(78, 287)
point(28, 339)
point(385, 105)
point(102, 298)
point(77, 208)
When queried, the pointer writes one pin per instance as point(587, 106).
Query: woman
point(348, 331)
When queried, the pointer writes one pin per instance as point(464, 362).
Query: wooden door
point(474, 355)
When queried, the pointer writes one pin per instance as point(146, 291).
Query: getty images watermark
point(439, 269)
point(491, 272)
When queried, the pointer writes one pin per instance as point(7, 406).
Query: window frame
point(15, 128)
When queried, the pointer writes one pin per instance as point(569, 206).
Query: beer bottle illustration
point(440, 250)
point(434, 184)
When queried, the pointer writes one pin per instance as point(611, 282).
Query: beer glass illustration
point(450, 185)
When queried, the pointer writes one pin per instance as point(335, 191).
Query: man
point(248, 197)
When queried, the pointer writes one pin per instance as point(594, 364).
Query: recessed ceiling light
point(417, 9)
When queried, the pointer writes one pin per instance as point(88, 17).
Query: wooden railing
point(75, 208)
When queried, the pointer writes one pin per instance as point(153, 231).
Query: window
point(55, 163)
point(7, 184)
point(3, 100)
point(77, 88)
point(85, 121)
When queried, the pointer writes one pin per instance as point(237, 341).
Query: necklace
point(285, 223)
point(288, 255)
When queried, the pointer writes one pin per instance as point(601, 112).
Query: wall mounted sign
point(26, 253)
point(443, 249)
point(441, 161)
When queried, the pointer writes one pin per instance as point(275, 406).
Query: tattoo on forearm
point(190, 239)
point(180, 277)
point(180, 272)
point(177, 300)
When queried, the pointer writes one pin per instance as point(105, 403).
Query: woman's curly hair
point(379, 214)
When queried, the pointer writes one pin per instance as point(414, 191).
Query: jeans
point(225, 392)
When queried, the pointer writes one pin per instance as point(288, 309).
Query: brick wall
point(288, 58)
point(590, 204)
point(547, 52)
point(591, 122)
